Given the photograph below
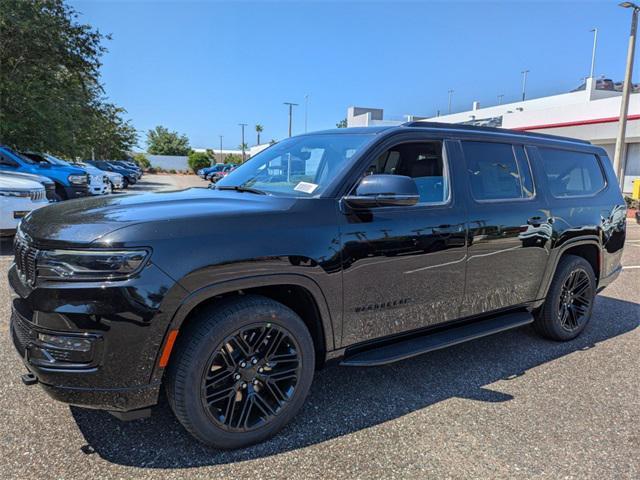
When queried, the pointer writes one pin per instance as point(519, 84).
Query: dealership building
point(589, 113)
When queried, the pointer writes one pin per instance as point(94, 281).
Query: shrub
point(172, 171)
point(231, 158)
point(198, 160)
point(142, 161)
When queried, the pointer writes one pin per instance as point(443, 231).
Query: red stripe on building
point(577, 123)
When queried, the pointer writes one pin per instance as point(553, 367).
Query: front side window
point(422, 161)
point(300, 166)
point(497, 171)
point(571, 174)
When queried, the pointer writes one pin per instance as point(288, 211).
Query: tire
point(125, 183)
point(60, 193)
point(245, 406)
point(569, 303)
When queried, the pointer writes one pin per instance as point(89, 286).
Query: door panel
point(509, 239)
point(404, 266)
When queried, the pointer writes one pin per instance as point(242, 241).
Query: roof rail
point(503, 131)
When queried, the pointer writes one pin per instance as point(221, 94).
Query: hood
point(8, 182)
point(28, 176)
point(86, 220)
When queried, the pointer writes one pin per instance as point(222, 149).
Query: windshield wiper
point(240, 188)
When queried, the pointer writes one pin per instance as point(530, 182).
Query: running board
point(411, 347)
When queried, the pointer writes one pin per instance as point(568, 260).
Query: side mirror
point(384, 191)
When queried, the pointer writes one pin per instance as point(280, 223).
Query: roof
point(495, 130)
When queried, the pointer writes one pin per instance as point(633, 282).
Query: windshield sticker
point(306, 187)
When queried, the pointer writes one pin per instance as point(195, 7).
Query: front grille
point(37, 195)
point(22, 332)
point(25, 258)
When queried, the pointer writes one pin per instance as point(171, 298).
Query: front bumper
point(76, 191)
point(124, 323)
point(14, 209)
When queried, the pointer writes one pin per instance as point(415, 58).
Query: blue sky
point(202, 67)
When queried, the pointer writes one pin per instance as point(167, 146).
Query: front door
point(404, 266)
point(509, 228)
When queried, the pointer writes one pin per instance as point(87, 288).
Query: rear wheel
point(569, 302)
point(242, 372)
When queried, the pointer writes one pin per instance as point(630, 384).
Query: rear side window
point(572, 174)
point(498, 171)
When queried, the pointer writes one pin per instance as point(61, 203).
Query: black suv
point(363, 245)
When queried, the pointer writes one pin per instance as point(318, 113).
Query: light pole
point(291, 105)
point(524, 84)
point(618, 156)
point(450, 92)
point(593, 52)
point(244, 156)
point(500, 97)
point(221, 154)
point(306, 108)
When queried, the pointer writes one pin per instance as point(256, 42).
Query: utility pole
point(291, 105)
point(500, 97)
point(244, 155)
point(618, 157)
point(593, 52)
point(524, 84)
point(306, 108)
point(221, 154)
point(450, 92)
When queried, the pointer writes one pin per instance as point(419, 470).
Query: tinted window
point(4, 160)
point(571, 174)
point(423, 162)
point(495, 173)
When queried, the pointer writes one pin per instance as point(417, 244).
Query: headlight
point(77, 179)
point(14, 193)
point(89, 265)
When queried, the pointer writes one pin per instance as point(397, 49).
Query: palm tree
point(259, 128)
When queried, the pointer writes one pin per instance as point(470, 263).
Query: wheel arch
point(588, 248)
point(297, 292)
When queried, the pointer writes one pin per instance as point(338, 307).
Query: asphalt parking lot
point(508, 406)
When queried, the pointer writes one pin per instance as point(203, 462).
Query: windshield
point(300, 166)
point(56, 161)
point(24, 158)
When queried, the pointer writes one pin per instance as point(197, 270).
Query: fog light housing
point(76, 344)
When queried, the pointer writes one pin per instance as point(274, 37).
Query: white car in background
point(18, 197)
point(114, 180)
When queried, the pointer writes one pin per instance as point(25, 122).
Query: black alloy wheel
point(251, 377)
point(575, 300)
point(570, 298)
point(241, 369)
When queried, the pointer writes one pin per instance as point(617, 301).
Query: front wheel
point(241, 372)
point(569, 303)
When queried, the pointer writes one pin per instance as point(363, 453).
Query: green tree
point(259, 130)
point(51, 97)
point(142, 161)
point(273, 141)
point(342, 123)
point(198, 160)
point(161, 141)
point(231, 158)
point(243, 146)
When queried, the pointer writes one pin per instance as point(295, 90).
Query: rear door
point(509, 228)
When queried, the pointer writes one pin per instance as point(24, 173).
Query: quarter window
point(571, 174)
point(498, 171)
point(424, 162)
